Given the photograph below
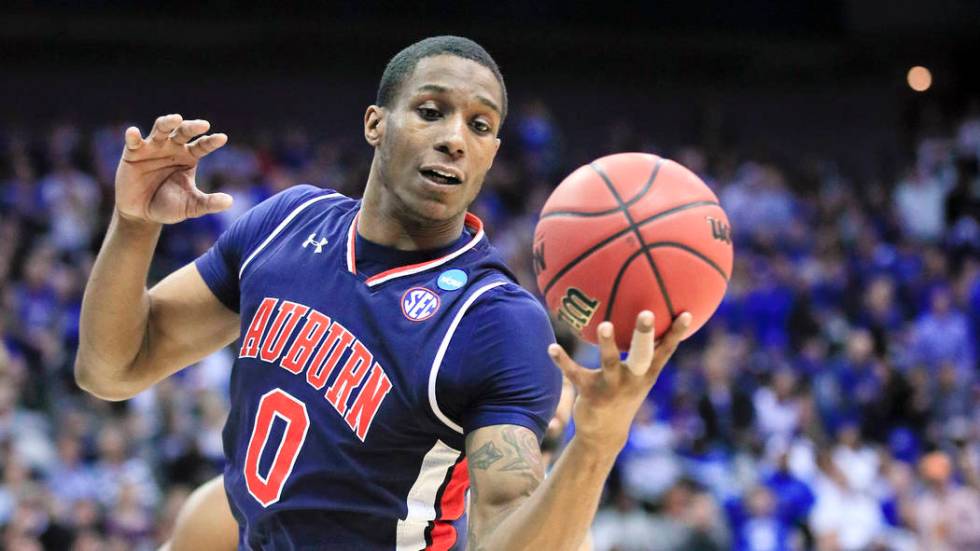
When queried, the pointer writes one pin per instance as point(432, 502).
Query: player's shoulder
point(272, 215)
point(303, 195)
point(506, 301)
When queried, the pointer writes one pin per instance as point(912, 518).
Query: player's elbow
point(96, 383)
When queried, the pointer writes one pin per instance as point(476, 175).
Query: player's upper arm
point(186, 323)
point(505, 467)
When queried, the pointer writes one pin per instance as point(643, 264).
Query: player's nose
point(453, 142)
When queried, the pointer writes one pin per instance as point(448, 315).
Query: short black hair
point(403, 64)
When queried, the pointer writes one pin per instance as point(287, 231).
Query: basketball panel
point(629, 173)
point(704, 228)
point(580, 296)
point(693, 286)
point(638, 290)
point(582, 192)
point(674, 186)
point(562, 239)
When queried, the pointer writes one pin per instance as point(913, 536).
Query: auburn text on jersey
point(317, 350)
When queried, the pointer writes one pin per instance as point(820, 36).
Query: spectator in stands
point(727, 412)
point(843, 518)
point(649, 464)
point(757, 524)
point(793, 497)
point(777, 407)
point(920, 200)
point(943, 335)
point(116, 469)
point(947, 515)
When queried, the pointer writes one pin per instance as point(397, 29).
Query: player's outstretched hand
point(609, 397)
point(155, 179)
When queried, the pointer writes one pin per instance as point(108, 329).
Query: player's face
point(440, 137)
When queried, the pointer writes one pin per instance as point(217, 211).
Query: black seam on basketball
point(637, 197)
point(653, 217)
point(615, 285)
point(693, 251)
point(636, 230)
point(658, 244)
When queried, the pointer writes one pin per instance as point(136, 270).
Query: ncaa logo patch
point(419, 303)
point(451, 280)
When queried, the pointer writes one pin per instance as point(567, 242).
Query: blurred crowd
point(832, 403)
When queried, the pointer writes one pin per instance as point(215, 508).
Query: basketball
point(632, 232)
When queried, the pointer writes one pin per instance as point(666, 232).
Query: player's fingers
point(152, 165)
point(134, 140)
point(567, 365)
point(677, 330)
point(163, 126)
point(667, 345)
point(608, 351)
point(206, 144)
point(187, 130)
point(641, 347)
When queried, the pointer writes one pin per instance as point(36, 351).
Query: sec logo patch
point(419, 303)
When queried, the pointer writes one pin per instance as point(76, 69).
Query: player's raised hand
point(609, 397)
point(155, 179)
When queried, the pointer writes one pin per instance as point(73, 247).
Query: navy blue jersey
point(360, 370)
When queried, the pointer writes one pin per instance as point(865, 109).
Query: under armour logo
point(311, 240)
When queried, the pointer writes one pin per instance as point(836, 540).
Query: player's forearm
point(559, 512)
point(115, 309)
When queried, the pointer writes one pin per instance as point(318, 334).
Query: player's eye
point(428, 113)
point(481, 127)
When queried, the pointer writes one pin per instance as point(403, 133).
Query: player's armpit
point(505, 467)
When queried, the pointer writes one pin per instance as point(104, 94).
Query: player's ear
point(374, 124)
point(496, 149)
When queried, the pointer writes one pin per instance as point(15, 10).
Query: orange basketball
point(630, 232)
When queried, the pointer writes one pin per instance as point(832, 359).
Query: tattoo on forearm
point(487, 455)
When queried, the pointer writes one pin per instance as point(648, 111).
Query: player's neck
point(384, 222)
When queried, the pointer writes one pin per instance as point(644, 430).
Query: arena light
point(919, 78)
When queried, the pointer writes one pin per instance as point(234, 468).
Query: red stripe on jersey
point(443, 536)
point(472, 222)
point(452, 505)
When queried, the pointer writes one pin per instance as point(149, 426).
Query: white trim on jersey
point(351, 267)
point(282, 225)
point(471, 221)
point(421, 499)
point(371, 282)
point(434, 372)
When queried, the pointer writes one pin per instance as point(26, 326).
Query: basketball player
point(387, 359)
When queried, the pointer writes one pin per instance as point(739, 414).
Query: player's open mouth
point(440, 177)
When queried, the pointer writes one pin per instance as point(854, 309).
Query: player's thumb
point(566, 364)
point(214, 202)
